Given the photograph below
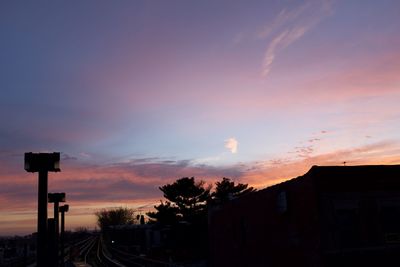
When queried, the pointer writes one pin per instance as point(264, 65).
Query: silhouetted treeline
point(177, 231)
point(187, 200)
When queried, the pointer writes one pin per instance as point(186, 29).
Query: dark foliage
point(165, 214)
point(226, 190)
point(186, 201)
point(116, 216)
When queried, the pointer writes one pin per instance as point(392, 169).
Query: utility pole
point(56, 198)
point(42, 163)
point(63, 210)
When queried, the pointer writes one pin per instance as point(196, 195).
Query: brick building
point(331, 216)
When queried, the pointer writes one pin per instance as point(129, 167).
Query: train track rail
point(93, 252)
point(130, 259)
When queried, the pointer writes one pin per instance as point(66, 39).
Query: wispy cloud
point(269, 172)
point(289, 26)
point(280, 42)
point(232, 145)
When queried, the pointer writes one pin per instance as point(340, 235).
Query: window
point(281, 202)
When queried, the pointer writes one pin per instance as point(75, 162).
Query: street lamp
point(56, 198)
point(63, 210)
point(42, 163)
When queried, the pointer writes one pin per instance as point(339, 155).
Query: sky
point(136, 94)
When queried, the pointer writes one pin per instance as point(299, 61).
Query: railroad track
point(80, 252)
point(93, 252)
point(129, 259)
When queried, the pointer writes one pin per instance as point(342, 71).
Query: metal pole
point(56, 232)
point(42, 220)
point(51, 256)
point(62, 237)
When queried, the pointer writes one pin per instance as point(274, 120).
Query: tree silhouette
point(226, 190)
point(186, 201)
point(116, 216)
point(165, 214)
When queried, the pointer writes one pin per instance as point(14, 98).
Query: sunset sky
point(136, 94)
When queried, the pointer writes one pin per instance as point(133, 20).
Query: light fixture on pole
point(63, 209)
point(56, 198)
point(42, 163)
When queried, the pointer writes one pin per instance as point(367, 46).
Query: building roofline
point(317, 170)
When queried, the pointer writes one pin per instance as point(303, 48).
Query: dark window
point(390, 222)
point(346, 224)
point(281, 202)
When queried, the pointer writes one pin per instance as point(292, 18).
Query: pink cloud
point(135, 183)
point(267, 173)
point(90, 187)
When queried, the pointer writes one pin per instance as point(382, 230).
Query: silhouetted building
point(139, 239)
point(180, 243)
point(331, 216)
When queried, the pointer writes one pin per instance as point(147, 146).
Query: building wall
point(331, 216)
point(360, 215)
point(272, 227)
